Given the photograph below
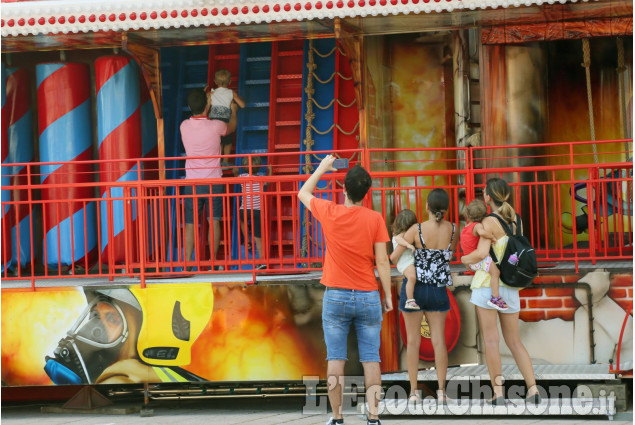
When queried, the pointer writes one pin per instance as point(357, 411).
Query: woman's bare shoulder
point(490, 223)
point(414, 228)
point(411, 232)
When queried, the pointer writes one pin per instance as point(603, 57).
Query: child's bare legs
point(495, 274)
point(258, 242)
point(411, 275)
point(242, 225)
point(496, 301)
point(226, 143)
point(227, 148)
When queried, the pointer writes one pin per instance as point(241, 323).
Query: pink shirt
point(201, 137)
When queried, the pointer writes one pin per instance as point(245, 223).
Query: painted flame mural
point(172, 335)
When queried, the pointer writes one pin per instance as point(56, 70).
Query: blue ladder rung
point(257, 105)
point(259, 59)
point(256, 128)
point(255, 82)
point(196, 62)
point(255, 151)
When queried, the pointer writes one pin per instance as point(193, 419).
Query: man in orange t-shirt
point(356, 240)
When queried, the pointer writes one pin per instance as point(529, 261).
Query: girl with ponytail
point(434, 244)
point(497, 196)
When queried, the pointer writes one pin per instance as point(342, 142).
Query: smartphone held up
point(340, 163)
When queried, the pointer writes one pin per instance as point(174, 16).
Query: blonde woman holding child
point(434, 242)
point(497, 196)
point(406, 263)
point(485, 269)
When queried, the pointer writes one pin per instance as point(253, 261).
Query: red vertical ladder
point(285, 120)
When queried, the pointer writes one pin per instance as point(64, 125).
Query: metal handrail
point(152, 211)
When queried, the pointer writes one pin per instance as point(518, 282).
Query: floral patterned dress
point(433, 265)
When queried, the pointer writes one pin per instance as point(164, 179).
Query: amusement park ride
point(423, 93)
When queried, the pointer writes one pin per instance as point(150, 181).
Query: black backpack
point(521, 271)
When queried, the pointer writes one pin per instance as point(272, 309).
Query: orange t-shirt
point(350, 234)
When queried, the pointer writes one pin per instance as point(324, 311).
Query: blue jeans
point(343, 307)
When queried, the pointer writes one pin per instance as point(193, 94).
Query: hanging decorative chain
point(348, 133)
point(331, 103)
point(308, 141)
point(329, 53)
point(309, 115)
point(331, 77)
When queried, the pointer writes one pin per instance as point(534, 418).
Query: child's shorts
point(256, 224)
point(227, 140)
point(482, 265)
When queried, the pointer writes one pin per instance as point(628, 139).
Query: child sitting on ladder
point(221, 99)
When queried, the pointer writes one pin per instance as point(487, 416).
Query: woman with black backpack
point(496, 195)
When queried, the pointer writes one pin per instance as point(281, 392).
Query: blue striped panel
point(21, 150)
point(118, 218)
point(9, 71)
point(3, 89)
point(65, 139)
point(25, 242)
point(117, 100)
point(44, 70)
point(21, 141)
point(76, 235)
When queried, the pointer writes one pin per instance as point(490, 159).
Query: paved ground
point(265, 412)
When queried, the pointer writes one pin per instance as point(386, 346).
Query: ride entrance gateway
point(422, 94)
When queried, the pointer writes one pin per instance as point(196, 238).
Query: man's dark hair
point(197, 100)
point(357, 182)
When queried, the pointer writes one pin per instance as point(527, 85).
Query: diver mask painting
point(91, 345)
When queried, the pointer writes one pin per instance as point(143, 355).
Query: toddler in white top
point(221, 99)
point(406, 263)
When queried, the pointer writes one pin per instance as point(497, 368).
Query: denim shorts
point(343, 307)
point(429, 297)
point(202, 200)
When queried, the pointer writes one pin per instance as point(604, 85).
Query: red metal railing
point(574, 209)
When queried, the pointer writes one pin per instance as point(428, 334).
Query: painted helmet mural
point(96, 338)
point(173, 318)
point(164, 319)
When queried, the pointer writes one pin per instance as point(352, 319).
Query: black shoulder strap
point(503, 223)
point(423, 244)
point(519, 224)
point(451, 238)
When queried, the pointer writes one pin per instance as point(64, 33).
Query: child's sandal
point(498, 303)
